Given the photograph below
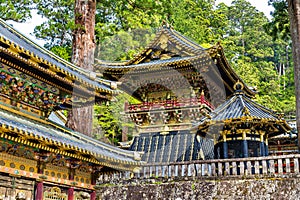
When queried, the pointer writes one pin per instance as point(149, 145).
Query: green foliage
point(260, 61)
point(57, 29)
point(279, 27)
point(124, 44)
point(62, 51)
point(198, 20)
point(16, 10)
point(110, 117)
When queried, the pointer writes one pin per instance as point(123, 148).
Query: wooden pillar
point(94, 177)
point(225, 147)
point(39, 190)
point(71, 193)
point(266, 147)
point(262, 145)
point(245, 146)
point(71, 189)
point(39, 184)
point(216, 156)
point(93, 195)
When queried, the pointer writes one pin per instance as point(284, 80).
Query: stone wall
point(239, 187)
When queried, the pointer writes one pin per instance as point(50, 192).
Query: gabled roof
point(17, 48)
point(171, 50)
point(165, 38)
point(58, 139)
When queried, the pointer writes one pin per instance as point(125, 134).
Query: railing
point(167, 104)
point(270, 165)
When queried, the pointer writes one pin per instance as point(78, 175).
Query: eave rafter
point(53, 70)
point(65, 149)
point(254, 124)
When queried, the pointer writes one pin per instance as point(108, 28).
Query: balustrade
point(286, 164)
point(168, 104)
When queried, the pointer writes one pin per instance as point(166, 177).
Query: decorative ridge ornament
point(166, 24)
point(238, 86)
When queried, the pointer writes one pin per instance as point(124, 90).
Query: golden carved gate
point(55, 194)
point(82, 196)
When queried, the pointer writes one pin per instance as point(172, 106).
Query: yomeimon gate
point(179, 84)
point(40, 158)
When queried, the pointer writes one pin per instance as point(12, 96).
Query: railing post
point(296, 165)
point(137, 174)
point(176, 170)
point(170, 171)
point(287, 165)
point(100, 179)
point(165, 171)
point(249, 168)
point(204, 169)
point(146, 172)
point(198, 169)
point(191, 170)
point(186, 170)
point(280, 167)
point(161, 172)
point(181, 169)
point(242, 168)
point(227, 169)
point(220, 169)
point(264, 167)
point(213, 169)
point(150, 171)
point(256, 167)
point(234, 168)
point(272, 167)
point(127, 174)
point(142, 174)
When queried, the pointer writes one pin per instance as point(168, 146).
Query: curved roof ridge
point(242, 100)
point(223, 106)
point(219, 51)
point(237, 106)
point(47, 133)
point(172, 35)
point(186, 40)
point(263, 108)
point(37, 51)
point(157, 35)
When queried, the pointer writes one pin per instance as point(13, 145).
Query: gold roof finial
point(165, 24)
point(202, 92)
point(238, 86)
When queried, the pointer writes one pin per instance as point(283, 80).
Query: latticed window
point(55, 194)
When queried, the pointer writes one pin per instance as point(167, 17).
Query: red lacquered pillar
point(39, 191)
point(71, 193)
point(93, 195)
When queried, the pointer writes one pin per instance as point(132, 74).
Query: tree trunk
point(294, 13)
point(81, 119)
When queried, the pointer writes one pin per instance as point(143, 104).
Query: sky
point(27, 27)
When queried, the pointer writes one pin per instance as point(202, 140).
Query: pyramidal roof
point(240, 108)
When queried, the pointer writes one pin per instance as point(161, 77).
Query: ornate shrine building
point(39, 158)
point(241, 128)
point(179, 84)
